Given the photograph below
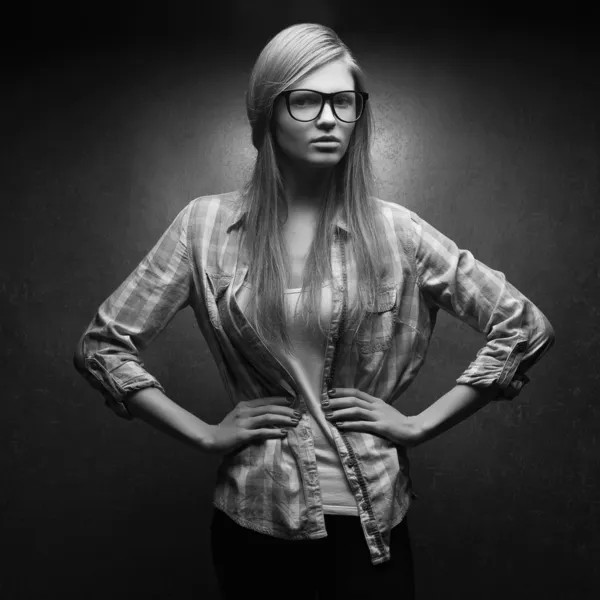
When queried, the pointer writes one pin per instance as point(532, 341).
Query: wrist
point(419, 429)
point(206, 437)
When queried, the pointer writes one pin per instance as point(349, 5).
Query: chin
point(324, 161)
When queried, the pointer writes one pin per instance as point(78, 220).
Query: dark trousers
point(249, 564)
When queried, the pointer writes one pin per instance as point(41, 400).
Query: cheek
point(289, 134)
point(348, 134)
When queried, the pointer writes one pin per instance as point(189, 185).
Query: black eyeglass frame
point(324, 98)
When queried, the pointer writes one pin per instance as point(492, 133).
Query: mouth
point(326, 144)
point(329, 139)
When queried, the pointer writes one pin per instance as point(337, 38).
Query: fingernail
point(297, 414)
point(331, 392)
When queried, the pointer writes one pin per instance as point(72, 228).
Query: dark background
point(116, 115)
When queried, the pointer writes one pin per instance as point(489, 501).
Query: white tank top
point(306, 367)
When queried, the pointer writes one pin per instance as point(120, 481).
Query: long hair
point(289, 57)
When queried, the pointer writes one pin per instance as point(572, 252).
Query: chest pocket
point(218, 284)
point(376, 331)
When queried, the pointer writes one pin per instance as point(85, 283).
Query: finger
point(279, 432)
point(339, 392)
point(353, 413)
point(348, 402)
point(275, 409)
point(281, 400)
point(356, 426)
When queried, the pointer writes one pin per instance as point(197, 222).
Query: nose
point(326, 117)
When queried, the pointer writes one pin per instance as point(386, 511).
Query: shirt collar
point(236, 220)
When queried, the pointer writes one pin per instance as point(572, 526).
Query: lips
point(326, 138)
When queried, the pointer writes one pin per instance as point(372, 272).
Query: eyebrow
point(321, 92)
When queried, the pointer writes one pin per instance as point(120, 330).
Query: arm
point(108, 353)
point(156, 409)
point(517, 333)
point(453, 407)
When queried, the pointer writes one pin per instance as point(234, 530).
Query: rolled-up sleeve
point(518, 334)
point(108, 352)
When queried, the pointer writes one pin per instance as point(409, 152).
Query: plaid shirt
point(272, 487)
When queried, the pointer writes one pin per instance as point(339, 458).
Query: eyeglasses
point(306, 105)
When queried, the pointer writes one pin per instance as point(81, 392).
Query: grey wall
point(490, 134)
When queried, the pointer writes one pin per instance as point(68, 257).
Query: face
point(297, 139)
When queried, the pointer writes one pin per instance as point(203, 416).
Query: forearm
point(159, 411)
point(452, 408)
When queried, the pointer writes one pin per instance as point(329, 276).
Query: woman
point(317, 301)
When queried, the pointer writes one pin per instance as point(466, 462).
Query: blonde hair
point(289, 57)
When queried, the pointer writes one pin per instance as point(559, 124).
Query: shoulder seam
point(412, 251)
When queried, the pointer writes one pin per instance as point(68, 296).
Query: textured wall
point(491, 137)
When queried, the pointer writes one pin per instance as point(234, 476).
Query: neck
point(305, 187)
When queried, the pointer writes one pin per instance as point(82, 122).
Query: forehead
point(332, 77)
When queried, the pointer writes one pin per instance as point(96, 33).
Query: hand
point(354, 410)
point(252, 421)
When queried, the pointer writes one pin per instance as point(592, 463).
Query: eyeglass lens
point(305, 105)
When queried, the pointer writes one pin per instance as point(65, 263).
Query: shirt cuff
point(119, 383)
point(508, 380)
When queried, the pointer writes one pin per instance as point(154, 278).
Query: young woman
point(317, 301)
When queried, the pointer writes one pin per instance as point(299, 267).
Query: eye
point(345, 100)
point(304, 99)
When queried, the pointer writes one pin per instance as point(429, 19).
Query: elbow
point(550, 338)
point(549, 334)
point(78, 356)
point(78, 361)
point(541, 336)
point(539, 344)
